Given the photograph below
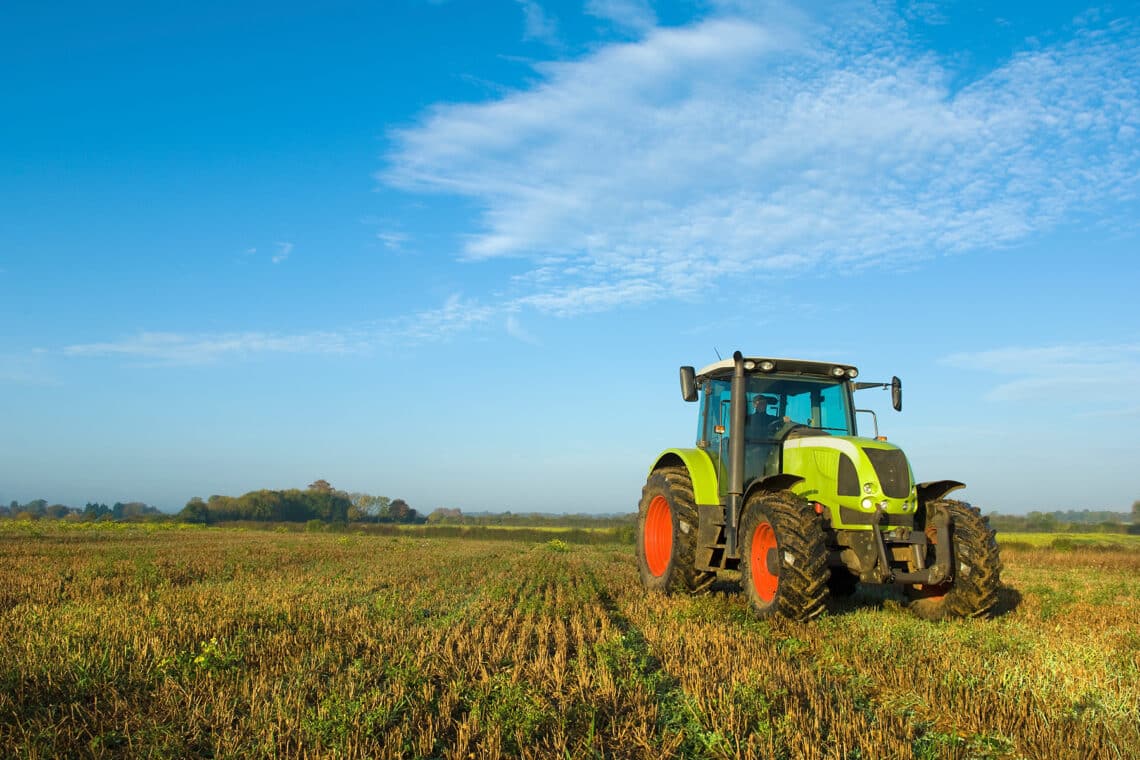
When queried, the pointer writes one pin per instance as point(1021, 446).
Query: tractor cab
point(783, 399)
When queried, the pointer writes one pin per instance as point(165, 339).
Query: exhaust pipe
point(737, 412)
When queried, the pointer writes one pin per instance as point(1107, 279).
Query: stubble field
point(141, 642)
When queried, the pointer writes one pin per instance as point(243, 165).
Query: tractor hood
point(855, 477)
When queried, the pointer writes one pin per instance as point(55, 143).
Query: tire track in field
point(678, 724)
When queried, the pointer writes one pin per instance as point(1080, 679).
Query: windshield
point(776, 402)
point(816, 403)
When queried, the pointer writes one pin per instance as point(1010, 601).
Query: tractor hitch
point(937, 573)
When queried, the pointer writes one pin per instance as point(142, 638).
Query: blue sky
point(455, 251)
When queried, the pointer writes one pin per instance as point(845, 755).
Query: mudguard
point(701, 472)
point(936, 489)
point(778, 482)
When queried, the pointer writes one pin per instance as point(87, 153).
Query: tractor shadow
point(1009, 599)
point(868, 597)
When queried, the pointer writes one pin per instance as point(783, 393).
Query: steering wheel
point(777, 426)
point(785, 426)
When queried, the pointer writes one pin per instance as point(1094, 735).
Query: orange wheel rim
point(763, 580)
point(658, 536)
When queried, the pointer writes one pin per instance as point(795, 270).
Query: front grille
point(894, 475)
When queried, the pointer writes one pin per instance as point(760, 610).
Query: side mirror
point(688, 384)
point(896, 393)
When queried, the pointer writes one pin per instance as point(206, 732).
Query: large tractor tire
point(667, 534)
point(973, 591)
point(783, 556)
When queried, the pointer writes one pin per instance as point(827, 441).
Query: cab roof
point(724, 368)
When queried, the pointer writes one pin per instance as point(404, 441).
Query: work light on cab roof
point(780, 486)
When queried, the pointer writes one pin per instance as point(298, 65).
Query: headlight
point(866, 503)
point(852, 372)
point(838, 371)
point(749, 366)
point(868, 488)
point(767, 366)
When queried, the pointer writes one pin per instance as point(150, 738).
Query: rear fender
point(701, 471)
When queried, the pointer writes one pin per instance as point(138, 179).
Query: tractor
point(782, 489)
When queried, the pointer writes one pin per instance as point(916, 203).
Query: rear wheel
point(783, 556)
point(973, 591)
point(667, 534)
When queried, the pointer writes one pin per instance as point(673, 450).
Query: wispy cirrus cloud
point(520, 333)
point(631, 15)
point(282, 252)
point(739, 149)
point(654, 169)
point(456, 315)
point(393, 241)
point(1089, 374)
point(183, 348)
point(538, 24)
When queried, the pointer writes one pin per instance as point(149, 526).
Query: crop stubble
point(209, 642)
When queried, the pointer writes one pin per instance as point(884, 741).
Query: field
point(157, 642)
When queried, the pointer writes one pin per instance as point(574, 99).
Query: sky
point(454, 252)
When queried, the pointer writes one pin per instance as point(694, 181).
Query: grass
point(155, 641)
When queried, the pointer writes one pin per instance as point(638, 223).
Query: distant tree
point(93, 510)
point(195, 511)
point(135, 509)
point(1134, 528)
point(57, 511)
point(1041, 522)
point(321, 486)
point(445, 515)
point(367, 508)
point(399, 511)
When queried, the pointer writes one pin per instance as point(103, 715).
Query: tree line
point(320, 501)
point(1078, 521)
point(40, 509)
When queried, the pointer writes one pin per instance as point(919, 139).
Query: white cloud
point(177, 348)
point(455, 316)
point(283, 251)
point(925, 12)
point(1089, 374)
point(655, 169)
point(633, 15)
point(393, 241)
point(538, 25)
point(518, 332)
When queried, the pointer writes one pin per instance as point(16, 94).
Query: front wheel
point(783, 556)
point(973, 591)
point(667, 534)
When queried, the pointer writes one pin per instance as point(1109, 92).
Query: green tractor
point(781, 488)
